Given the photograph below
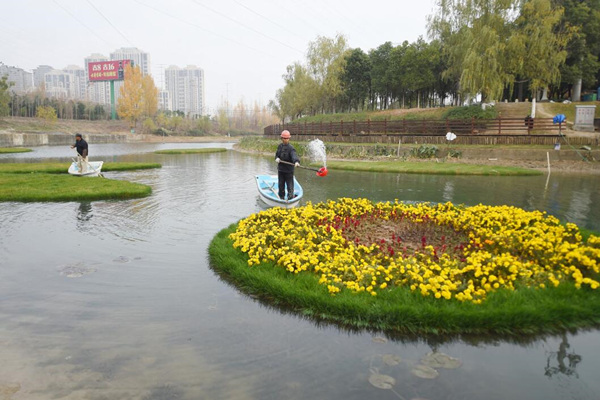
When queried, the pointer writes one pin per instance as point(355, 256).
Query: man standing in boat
point(285, 170)
point(82, 153)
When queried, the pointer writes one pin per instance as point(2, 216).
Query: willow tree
point(300, 95)
point(475, 34)
point(537, 49)
point(326, 63)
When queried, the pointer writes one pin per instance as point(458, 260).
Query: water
point(317, 152)
point(116, 300)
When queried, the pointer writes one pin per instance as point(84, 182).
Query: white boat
point(90, 168)
point(268, 190)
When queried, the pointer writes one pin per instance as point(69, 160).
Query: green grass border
point(52, 187)
point(62, 168)
point(8, 150)
point(192, 151)
point(431, 167)
point(400, 311)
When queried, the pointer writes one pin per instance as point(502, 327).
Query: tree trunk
point(577, 90)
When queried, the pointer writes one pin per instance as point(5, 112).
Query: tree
point(326, 63)
point(47, 113)
point(381, 85)
point(536, 49)
point(130, 105)
point(4, 96)
point(475, 33)
point(149, 97)
point(582, 66)
point(356, 78)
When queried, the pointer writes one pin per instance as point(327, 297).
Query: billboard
point(107, 70)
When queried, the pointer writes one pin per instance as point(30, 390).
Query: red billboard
point(107, 70)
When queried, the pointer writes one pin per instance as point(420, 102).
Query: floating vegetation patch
point(76, 270)
point(6, 150)
point(443, 251)
point(440, 360)
point(391, 359)
point(381, 381)
point(417, 268)
point(425, 372)
point(192, 151)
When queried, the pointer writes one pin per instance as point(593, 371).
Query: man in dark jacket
point(285, 172)
point(82, 153)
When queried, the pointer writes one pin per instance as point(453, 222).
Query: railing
point(499, 126)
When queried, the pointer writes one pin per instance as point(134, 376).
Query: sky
point(242, 46)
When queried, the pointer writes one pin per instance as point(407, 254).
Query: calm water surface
point(116, 300)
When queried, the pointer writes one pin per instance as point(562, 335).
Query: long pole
point(113, 112)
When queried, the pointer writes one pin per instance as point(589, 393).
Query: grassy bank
point(526, 311)
point(192, 151)
point(61, 168)
point(52, 187)
point(407, 163)
point(6, 150)
point(431, 167)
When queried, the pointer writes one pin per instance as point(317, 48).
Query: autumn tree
point(47, 113)
point(149, 97)
point(130, 105)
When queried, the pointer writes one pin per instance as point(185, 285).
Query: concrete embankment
point(10, 139)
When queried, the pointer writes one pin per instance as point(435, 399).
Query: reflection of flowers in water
point(562, 359)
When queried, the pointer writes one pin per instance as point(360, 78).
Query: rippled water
point(115, 299)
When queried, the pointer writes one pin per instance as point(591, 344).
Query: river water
point(116, 300)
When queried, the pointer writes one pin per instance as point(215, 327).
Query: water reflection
point(84, 212)
point(561, 358)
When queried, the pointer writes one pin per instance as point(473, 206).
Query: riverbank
point(567, 160)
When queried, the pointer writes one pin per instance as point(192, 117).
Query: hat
point(78, 135)
point(286, 134)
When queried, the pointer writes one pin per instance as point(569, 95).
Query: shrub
point(424, 151)
point(469, 112)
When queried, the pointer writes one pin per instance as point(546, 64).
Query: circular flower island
point(417, 268)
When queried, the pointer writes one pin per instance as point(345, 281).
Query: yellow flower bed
point(440, 250)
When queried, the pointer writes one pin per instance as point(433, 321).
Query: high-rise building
point(38, 75)
point(22, 81)
point(79, 81)
point(186, 89)
point(59, 84)
point(140, 59)
point(97, 92)
point(164, 100)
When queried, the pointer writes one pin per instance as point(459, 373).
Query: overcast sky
point(243, 46)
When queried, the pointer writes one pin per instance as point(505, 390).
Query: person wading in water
point(285, 172)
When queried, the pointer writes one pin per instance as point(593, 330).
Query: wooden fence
point(473, 126)
point(540, 131)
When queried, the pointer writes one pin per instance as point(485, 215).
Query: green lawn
point(431, 167)
point(60, 168)
point(5, 150)
point(29, 182)
point(52, 187)
point(524, 311)
point(192, 151)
